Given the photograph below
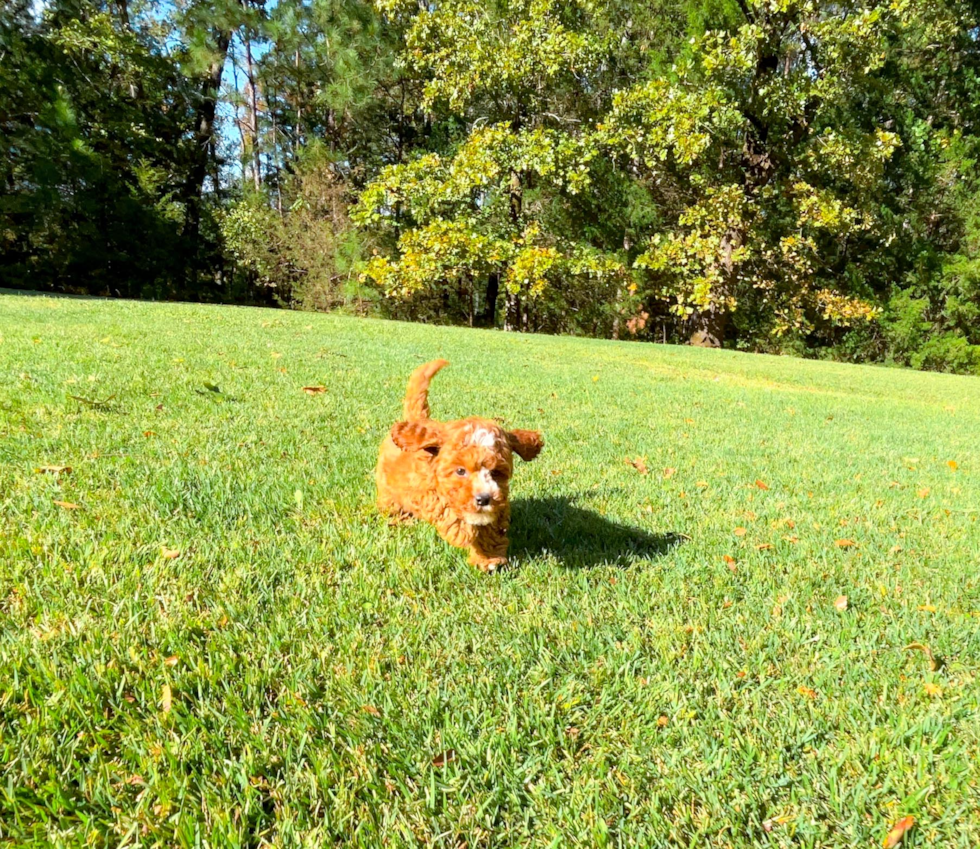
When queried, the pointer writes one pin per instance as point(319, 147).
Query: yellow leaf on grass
point(897, 832)
point(841, 603)
point(761, 485)
point(67, 505)
point(806, 691)
point(845, 543)
point(923, 493)
point(934, 664)
point(173, 660)
point(740, 532)
point(932, 689)
point(662, 721)
point(371, 709)
point(314, 390)
point(669, 472)
point(953, 465)
point(166, 702)
point(928, 608)
point(169, 553)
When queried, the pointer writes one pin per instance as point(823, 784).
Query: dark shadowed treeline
point(781, 176)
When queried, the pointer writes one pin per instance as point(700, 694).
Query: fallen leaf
point(841, 603)
point(371, 709)
point(928, 608)
point(953, 465)
point(764, 546)
point(761, 485)
point(67, 505)
point(169, 553)
point(730, 561)
point(167, 701)
point(662, 721)
point(932, 689)
point(446, 757)
point(639, 464)
point(894, 837)
point(806, 691)
point(135, 780)
point(669, 472)
point(314, 390)
point(934, 663)
point(923, 493)
point(845, 543)
point(740, 532)
point(173, 660)
point(53, 470)
point(149, 433)
point(793, 540)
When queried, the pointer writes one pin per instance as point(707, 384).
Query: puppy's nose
point(482, 500)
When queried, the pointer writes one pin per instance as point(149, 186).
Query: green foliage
point(335, 681)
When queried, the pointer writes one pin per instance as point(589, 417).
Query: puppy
point(454, 475)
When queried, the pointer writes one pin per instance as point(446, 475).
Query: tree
point(767, 167)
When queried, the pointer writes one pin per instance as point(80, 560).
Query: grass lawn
point(209, 637)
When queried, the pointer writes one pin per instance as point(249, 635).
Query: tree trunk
point(489, 317)
point(203, 142)
point(709, 327)
point(512, 320)
point(710, 324)
point(253, 115)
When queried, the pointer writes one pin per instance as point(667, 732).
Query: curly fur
point(454, 475)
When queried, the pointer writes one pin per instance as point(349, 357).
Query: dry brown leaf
point(639, 464)
point(149, 433)
point(67, 505)
point(371, 709)
point(841, 603)
point(761, 485)
point(923, 493)
point(173, 660)
point(169, 553)
point(53, 470)
point(894, 837)
point(314, 390)
point(764, 546)
point(730, 562)
point(135, 780)
point(444, 758)
point(167, 701)
point(740, 532)
point(662, 721)
point(845, 543)
point(806, 691)
point(669, 472)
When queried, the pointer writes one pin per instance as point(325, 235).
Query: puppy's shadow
point(580, 538)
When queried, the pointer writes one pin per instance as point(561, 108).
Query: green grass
point(334, 680)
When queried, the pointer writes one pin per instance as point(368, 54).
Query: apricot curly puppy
point(454, 475)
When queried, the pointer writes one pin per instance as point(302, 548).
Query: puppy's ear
point(526, 444)
point(417, 436)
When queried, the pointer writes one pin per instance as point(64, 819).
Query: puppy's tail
point(417, 394)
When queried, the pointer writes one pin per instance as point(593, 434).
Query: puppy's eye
point(498, 475)
point(461, 472)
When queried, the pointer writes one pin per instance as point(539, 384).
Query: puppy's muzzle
point(483, 499)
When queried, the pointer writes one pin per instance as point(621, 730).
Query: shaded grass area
point(664, 665)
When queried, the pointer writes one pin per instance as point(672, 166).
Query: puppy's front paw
point(487, 564)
